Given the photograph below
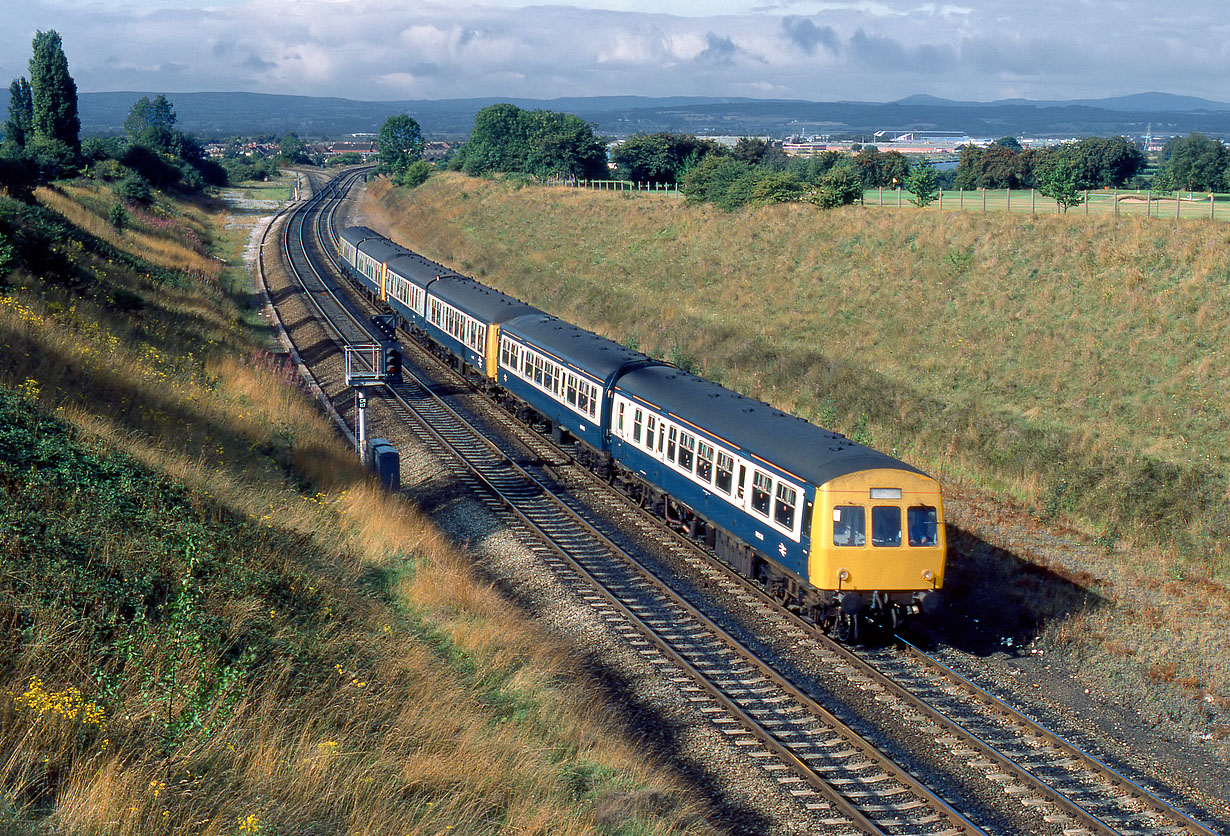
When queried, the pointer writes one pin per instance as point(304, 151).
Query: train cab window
point(651, 428)
point(762, 489)
point(922, 522)
point(783, 508)
point(670, 444)
point(886, 525)
point(704, 462)
point(687, 444)
point(637, 419)
point(849, 525)
point(725, 472)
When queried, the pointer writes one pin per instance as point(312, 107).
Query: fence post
point(1008, 192)
point(941, 200)
point(1115, 197)
point(898, 197)
point(1033, 202)
point(1211, 207)
point(1086, 203)
point(1177, 205)
point(984, 201)
point(961, 199)
point(1149, 203)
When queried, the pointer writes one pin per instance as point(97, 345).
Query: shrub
point(134, 189)
point(415, 174)
point(839, 186)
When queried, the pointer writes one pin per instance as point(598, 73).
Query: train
point(840, 533)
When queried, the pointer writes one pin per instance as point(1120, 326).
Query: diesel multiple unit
point(829, 526)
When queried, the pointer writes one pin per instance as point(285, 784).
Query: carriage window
point(849, 525)
point(670, 444)
point(651, 427)
point(762, 489)
point(704, 462)
point(620, 423)
point(725, 471)
point(572, 389)
point(783, 509)
point(922, 523)
point(636, 425)
point(886, 525)
point(687, 444)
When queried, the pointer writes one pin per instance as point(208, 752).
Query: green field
point(1113, 203)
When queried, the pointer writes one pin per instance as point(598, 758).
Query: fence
point(1139, 203)
point(615, 185)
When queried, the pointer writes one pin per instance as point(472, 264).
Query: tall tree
point(20, 124)
point(146, 114)
point(538, 142)
point(53, 93)
point(400, 143)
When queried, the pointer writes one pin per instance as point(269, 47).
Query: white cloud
point(864, 49)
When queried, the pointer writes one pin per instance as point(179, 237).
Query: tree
point(749, 149)
point(293, 150)
point(53, 94)
point(1193, 163)
point(662, 157)
point(20, 125)
point(1058, 178)
point(1100, 162)
point(146, 114)
point(400, 143)
point(541, 143)
point(1009, 142)
point(923, 182)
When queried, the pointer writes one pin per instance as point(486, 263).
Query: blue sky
point(871, 50)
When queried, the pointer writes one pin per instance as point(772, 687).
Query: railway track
point(828, 767)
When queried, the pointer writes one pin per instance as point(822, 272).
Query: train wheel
point(845, 628)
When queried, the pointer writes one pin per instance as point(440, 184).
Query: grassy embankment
point(210, 621)
point(1070, 366)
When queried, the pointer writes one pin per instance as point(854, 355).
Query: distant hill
point(1137, 102)
point(224, 114)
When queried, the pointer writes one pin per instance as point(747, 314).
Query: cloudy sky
point(870, 50)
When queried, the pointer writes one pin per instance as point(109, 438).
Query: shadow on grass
point(996, 601)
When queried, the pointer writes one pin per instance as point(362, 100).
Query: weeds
point(210, 622)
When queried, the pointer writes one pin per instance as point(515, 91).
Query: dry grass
point(306, 653)
point(1068, 365)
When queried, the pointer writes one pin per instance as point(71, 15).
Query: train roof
point(478, 300)
point(355, 234)
point(377, 247)
point(418, 269)
point(790, 443)
point(595, 355)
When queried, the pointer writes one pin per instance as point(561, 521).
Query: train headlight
point(928, 575)
point(844, 575)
